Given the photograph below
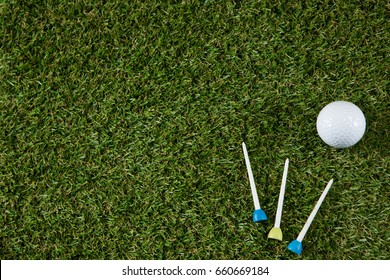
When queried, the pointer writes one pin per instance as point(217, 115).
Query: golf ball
point(341, 124)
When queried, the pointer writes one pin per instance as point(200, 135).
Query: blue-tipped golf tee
point(259, 215)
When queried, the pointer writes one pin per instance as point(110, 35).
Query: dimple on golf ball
point(341, 124)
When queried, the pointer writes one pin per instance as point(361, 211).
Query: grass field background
point(122, 122)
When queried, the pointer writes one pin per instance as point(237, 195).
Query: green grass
point(122, 122)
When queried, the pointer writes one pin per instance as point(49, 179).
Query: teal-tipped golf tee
point(295, 246)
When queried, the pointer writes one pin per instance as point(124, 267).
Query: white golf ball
point(341, 124)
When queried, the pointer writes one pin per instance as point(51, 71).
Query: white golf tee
point(251, 179)
point(314, 212)
point(281, 196)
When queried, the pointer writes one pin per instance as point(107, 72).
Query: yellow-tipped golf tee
point(276, 232)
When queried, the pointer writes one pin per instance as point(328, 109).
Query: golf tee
point(251, 179)
point(281, 196)
point(314, 212)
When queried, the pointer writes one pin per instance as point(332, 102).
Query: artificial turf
point(122, 122)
